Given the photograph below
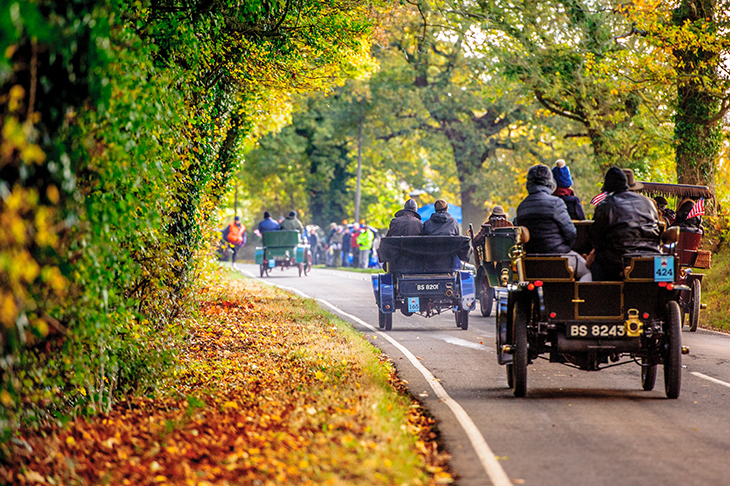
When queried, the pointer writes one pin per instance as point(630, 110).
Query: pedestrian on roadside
point(235, 235)
point(365, 243)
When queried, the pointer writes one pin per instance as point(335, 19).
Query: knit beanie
point(540, 175)
point(615, 181)
point(410, 205)
point(561, 174)
point(440, 205)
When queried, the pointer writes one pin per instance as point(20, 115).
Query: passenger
point(268, 223)
point(498, 219)
point(441, 223)
point(407, 221)
point(624, 222)
point(693, 224)
point(291, 222)
point(664, 212)
point(561, 174)
point(546, 217)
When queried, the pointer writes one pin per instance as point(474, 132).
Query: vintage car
point(283, 248)
point(493, 258)
point(687, 249)
point(423, 277)
point(592, 325)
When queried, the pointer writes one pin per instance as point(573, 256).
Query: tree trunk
point(697, 132)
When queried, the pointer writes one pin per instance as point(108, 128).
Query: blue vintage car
point(423, 276)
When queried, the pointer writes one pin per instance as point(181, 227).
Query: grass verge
point(716, 293)
point(271, 389)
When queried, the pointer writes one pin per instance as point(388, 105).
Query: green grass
point(716, 293)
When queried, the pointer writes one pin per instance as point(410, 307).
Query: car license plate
point(414, 304)
point(664, 269)
point(594, 331)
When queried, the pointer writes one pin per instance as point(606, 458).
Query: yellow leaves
point(6, 399)
point(319, 375)
point(70, 441)
point(230, 405)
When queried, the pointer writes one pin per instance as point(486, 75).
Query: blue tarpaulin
point(427, 210)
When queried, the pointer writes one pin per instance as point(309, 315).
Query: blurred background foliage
point(122, 124)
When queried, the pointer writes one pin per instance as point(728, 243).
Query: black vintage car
point(592, 325)
point(423, 277)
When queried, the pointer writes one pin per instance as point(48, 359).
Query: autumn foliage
point(269, 389)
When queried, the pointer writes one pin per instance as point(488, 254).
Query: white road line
point(709, 378)
point(493, 468)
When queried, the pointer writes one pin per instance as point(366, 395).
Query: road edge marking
point(492, 467)
point(709, 378)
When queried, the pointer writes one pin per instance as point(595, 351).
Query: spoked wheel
point(510, 378)
point(261, 270)
point(673, 351)
point(486, 295)
point(462, 319)
point(520, 318)
point(300, 266)
point(307, 265)
point(694, 306)
point(648, 375)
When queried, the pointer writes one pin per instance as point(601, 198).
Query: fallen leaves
point(267, 391)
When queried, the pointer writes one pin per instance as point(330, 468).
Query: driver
point(624, 222)
point(546, 217)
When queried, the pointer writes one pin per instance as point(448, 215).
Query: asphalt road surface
point(573, 428)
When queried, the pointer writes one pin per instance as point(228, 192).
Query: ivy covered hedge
point(122, 123)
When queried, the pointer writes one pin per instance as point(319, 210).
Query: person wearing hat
point(268, 223)
point(235, 235)
point(407, 221)
point(441, 223)
point(561, 174)
point(546, 217)
point(665, 212)
point(291, 222)
point(693, 224)
point(497, 219)
point(625, 222)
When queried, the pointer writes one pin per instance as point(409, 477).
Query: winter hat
point(498, 211)
point(615, 181)
point(292, 214)
point(540, 175)
point(410, 205)
point(440, 205)
point(267, 214)
point(561, 174)
point(237, 218)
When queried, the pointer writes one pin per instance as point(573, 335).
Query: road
point(573, 428)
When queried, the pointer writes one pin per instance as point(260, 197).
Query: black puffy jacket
point(547, 218)
point(441, 224)
point(406, 223)
point(625, 222)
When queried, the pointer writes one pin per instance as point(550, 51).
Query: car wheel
point(510, 378)
point(694, 306)
point(673, 351)
point(388, 322)
point(486, 295)
point(464, 320)
point(648, 375)
point(381, 319)
point(520, 317)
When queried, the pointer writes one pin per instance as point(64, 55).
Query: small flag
point(697, 210)
point(599, 198)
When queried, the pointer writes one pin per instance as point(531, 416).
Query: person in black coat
point(441, 223)
point(624, 222)
point(561, 174)
point(407, 221)
point(547, 218)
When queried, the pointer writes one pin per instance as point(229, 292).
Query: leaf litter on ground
point(269, 389)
